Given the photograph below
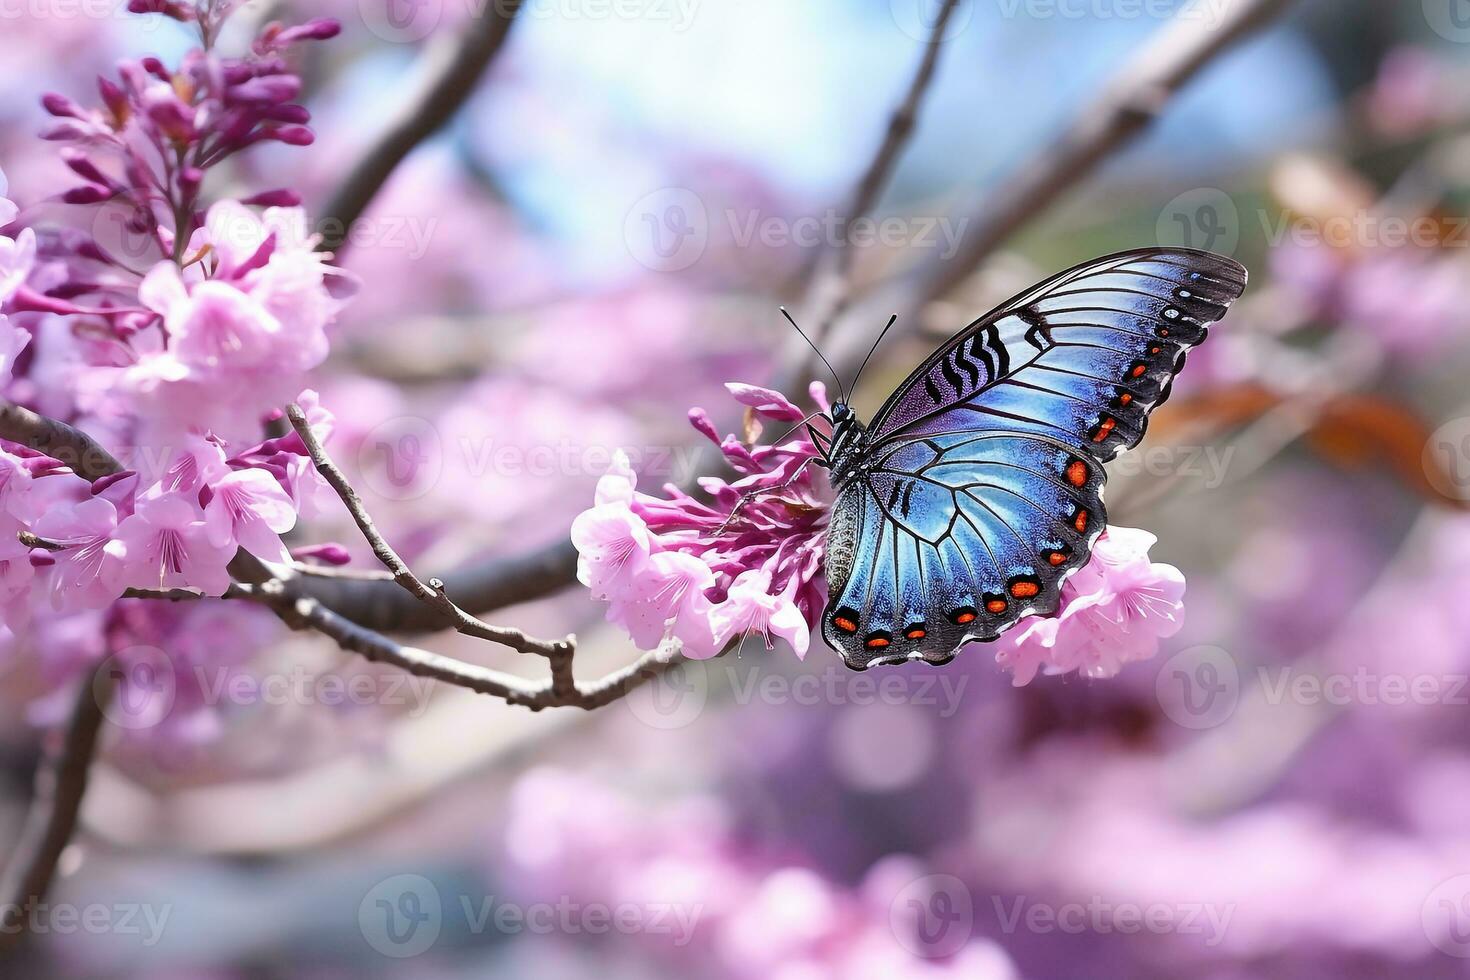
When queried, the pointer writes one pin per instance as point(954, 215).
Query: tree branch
point(561, 691)
point(448, 78)
point(61, 782)
point(58, 440)
point(830, 280)
point(432, 593)
point(1128, 106)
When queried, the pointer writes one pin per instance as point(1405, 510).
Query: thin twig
point(61, 782)
point(345, 574)
point(562, 691)
point(448, 78)
point(830, 281)
point(1128, 106)
point(430, 593)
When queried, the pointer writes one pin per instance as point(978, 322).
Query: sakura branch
point(830, 282)
point(61, 782)
point(432, 593)
point(562, 690)
point(448, 77)
point(1129, 104)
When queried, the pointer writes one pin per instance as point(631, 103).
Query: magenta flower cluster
point(174, 344)
point(749, 561)
point(681, 569)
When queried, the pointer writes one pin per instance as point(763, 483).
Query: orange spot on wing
point(1104, 428)
point(1057, 557)
point(1080, 521)
point(1077, 473)
point(916, 633)
point(996, 606)
point(1125, 398)
point(1139, 370)
point(877, 642)
point(1024, 590)
point(845, 624)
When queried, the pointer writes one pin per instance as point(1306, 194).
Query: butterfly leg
point(822, 442)
point(745, 498)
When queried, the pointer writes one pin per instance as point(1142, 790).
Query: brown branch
point(563, 690)
point(431, 593)
point(61, 782)
point(830, 281)
point(73, 447)
point(449, 75)
point(1128, 106)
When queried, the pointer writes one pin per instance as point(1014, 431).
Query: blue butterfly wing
point(983, 488)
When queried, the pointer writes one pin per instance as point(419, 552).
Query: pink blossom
point(16, 572)
point(1115, 609)
point(213, 327)
point(669, 602)
point(17, 257)
point(249, 509)
point(8, 209)
point(751, 608)
point(201, 461)
point(613, 545)
point(88, 571)
point(15, 488)
point(166, 546)
point(13, 340)
point(763, 565)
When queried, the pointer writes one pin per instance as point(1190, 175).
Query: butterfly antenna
point(840, 388)
point(881, 334)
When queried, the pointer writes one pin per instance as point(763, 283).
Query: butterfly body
point(977, 488)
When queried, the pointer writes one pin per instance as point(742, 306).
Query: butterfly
point(977, 488)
